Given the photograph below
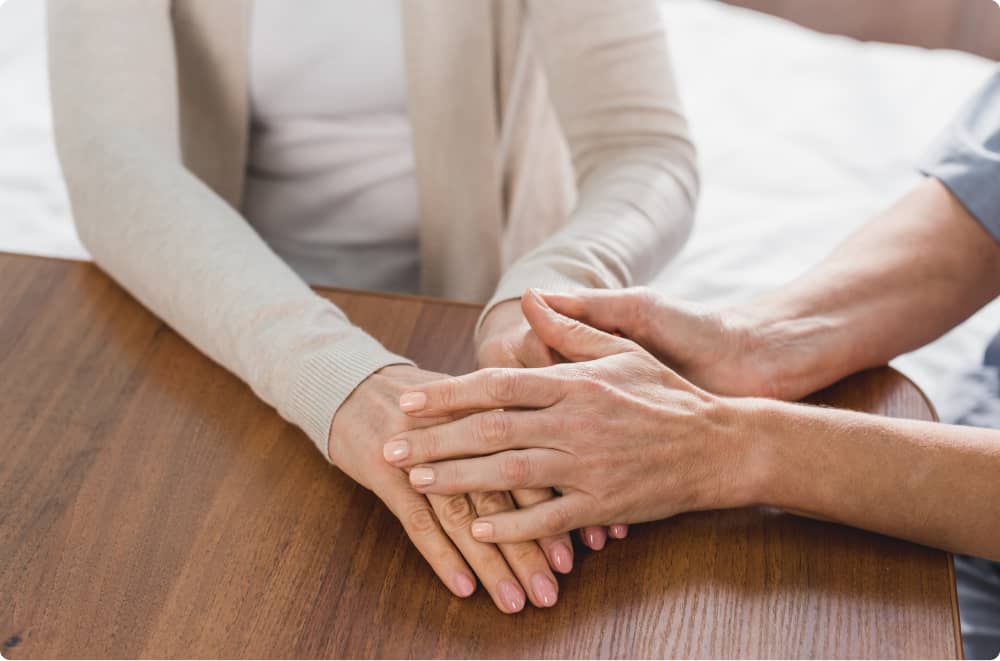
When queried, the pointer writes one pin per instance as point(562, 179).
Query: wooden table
point(151, 506)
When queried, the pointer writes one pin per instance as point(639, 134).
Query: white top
point(330, 181)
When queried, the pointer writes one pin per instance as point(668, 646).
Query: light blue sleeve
point(966, 158)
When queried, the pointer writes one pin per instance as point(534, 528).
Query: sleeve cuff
point(513, 286)
point(328, 377)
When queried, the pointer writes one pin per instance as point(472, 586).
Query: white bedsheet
point(801, 137)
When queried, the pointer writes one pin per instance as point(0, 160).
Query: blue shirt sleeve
point(966, 158)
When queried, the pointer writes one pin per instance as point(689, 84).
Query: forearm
point(907, 277)
point(611, 84)
point(926, 482)
point(173, 242)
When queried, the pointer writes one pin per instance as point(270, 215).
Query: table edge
point(415, 298)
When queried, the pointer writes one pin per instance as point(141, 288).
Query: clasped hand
point(620, 435)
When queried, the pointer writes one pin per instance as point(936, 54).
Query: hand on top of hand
point(723, 351)
point(507, 340)
point(623, 437)
point(437, 525)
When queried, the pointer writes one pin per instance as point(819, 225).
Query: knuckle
point(524, 554)
point(456, 511)
point(492, 428)
point(448, 393)
point(492, 502)
point(427, 446)
point(420, 520)
point(515, 469)
point(502, 384)
point(585, 375)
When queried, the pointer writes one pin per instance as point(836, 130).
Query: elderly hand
point(437, 525)
point(623, 437)
point(724, 351)
point(507, 340)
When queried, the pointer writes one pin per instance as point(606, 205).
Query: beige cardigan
point(150, 106)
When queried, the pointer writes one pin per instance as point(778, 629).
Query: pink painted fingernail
point(412, 401)
point(562, 558)
point(595, 538)
point(482, 529)
point(422, 477)
point(545, 590)
point(511, 596)
point(618, 531)
point(464, 585)
point(396, 450)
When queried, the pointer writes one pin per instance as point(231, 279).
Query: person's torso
point(330, 179)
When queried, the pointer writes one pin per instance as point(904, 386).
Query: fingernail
point(464, 585)
point(544, 589)
point(396, 450)
point(412, 401)
point(511, 596)
point(562, 558)
point(422, 477)
point(595, 540)
point(482, 529)
point(617, 531)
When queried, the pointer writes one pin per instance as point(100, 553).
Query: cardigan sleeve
point(167, 238)
point(612, 86)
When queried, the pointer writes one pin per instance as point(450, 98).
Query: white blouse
point(330, 181)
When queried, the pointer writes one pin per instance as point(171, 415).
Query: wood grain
point(151, 506)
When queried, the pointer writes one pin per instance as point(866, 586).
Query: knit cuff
point(514, 285)
point(328, 377)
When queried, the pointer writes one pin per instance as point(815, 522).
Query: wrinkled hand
point(623, 437)
point(722, 351)
point(507, 340)
point(437, 525)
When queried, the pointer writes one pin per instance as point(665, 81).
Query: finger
point(456, 515)
point(618, 531)
point(571, 338)
point(558, 548)
point(514, 469)
point(532, 352)
point(526, 559)
point(475, 435)
point(551, 517)
point(493, 388)
point(607, 309)
point(424, 530)
point(594, 537)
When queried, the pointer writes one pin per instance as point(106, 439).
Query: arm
point(908, 276)
point(625, 438)
point(926, 482)
point(189, 257)
point(608, 71)
point(171, 241)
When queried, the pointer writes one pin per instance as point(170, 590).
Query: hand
point(622, 436)
point(723, 351)
point(507, 340)
point(363, 423)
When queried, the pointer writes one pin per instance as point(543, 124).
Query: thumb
point(576, 341)
point(611, 310)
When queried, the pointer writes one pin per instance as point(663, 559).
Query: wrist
point(791, 353)
point(755, 425)
point(499, 317)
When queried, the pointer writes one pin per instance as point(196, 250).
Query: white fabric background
point(801, 137)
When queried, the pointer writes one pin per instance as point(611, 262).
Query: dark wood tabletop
point(151, 506)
